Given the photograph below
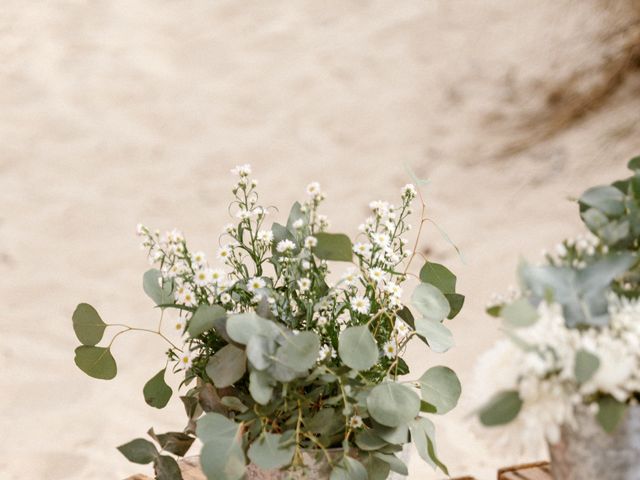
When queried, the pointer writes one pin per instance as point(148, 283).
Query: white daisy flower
point(321, 321)
point(255, 283)
point(305, 265)
point(178, 325)
point(185, 359)
point(390, 349)
point(362, 248)
point(313, 189)
point(355, 422)
point(325, 351)
point(393, 289)
point(217, 277)
point(203, 277)
point(298, 224)
point(225, 298)
point(401, 329)
point(285, 246)
point(377, 274)
point(350, 277)
point(360, 304)
point(310, 242)
point(242, 170)
point(199, 258)
point(304, 284)
point(224, 252)
point(381, 239)
point(265, 236)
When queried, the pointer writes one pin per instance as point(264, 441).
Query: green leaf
point(97, 362)
point(267, 452)
point(456, 302)
point(333, 246)
point(439, 276)
point(519, 313)
point(139, 451)
point(234, 403)
point(213, 425)
point(610, 413)
point(243, 326)
point(151, 286)
point(88, 325)
point(609, 200)
point(349, 469)
point(177, 443)
point(501, 409)
point(260, 351)
point(396, 435)
point(227, 366)
point(156, 391)
point(441, 388)
point(393, 404)
point(377, 469)
point(634, 163)
point(280, 233)
point(586, 365)
point(366, 440)
point(223, 459)
point(295, 214)
point(430, 302)
point(205, 318)
point(358, 348)
point(167, 468)
point(435, 334)
point(394, 462)
point(261, 386)
point(423, 436)
point(299, 351)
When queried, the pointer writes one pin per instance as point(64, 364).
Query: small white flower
point(381, 239)
point(179, 325)
point(401, 329)
point(393, 289)
point(185, 359)
point(224, 252)
point(377, 274)
point(362, 248)
point(225, 298)
point(217, 277)
point(323, 221)
point(203, 277)
point(355, 422)
point(242, 170)
point(360, 304)
point(350, 277)
point(313, 189)
point(256, 298)
point(310, 242)
point(285, 246)
point(199, 258)
point(184, 295)
point(305, 265)
point(255, 283)
point(243, 214)
point(304, 284)
point(321, 321)
point(265, 236)
point(325, 351)
point(298, 224)
point(230, 228)
point(390, 349)
point(409, 191)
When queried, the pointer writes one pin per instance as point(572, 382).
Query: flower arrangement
point(573, 332)
point(282, 358)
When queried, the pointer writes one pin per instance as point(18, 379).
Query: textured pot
point(587, 452)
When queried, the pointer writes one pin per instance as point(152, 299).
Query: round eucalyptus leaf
point(440, 387)
point(227, 366)
point(97, 362)
point(357, 348)
point(439, 276)
point(366, 440)
point(260, 351)
point(430, 302)
point(139, 451)
point(223, 459)
point(151, 284)
point(349, 469)
point(267, 452)
point(519, 313)
point(156, 391)
point(393, 404)
point(435, 334)
point(299, 351)
point(608, 199)
point(205, 318)
point(88, 325)
point(501, 409)
point(333, 246)
point(586, 365)
point(261, 386)
point(243, 326)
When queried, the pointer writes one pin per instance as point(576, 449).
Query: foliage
point(276, 357)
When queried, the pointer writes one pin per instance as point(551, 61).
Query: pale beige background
point(114, 112)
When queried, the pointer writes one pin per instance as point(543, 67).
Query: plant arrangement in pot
point(289, 370)
point(568, 373)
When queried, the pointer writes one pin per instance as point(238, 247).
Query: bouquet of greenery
point(574, 330)
point(278, 359)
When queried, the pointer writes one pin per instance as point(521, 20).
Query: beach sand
point(117, 112)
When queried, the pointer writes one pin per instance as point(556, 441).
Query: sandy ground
point(114, 112)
